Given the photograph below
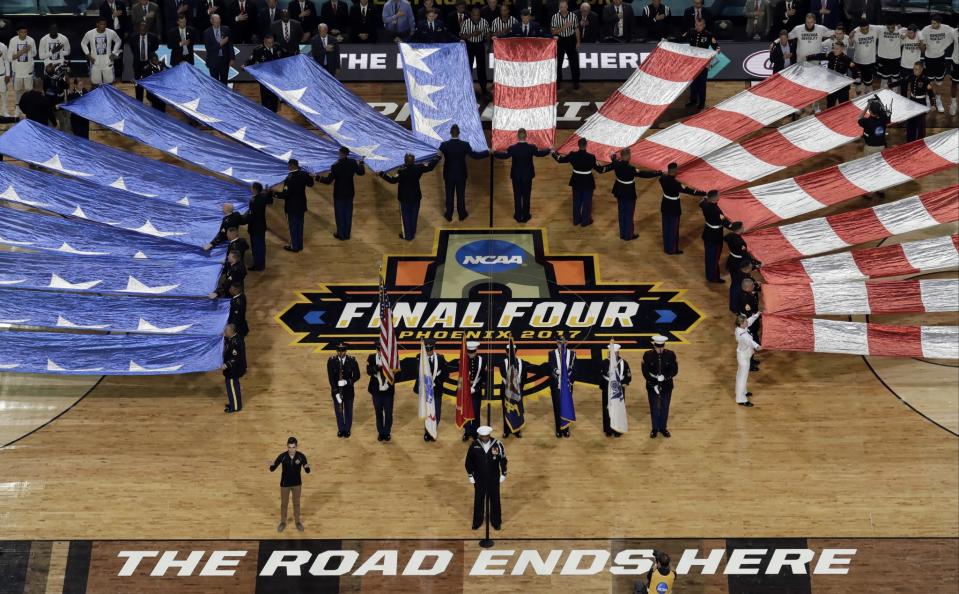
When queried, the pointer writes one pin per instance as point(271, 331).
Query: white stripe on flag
point(833, 267)
point(813, 136)
point(652, 90)
point(872, 173)
point(939, 294)
point(840, 337)
point(945, 144)
point(686, 49)
point(785, 198)
point(737, 162)
point(940, 342)
point(535, 118)
point(812, 237)
point(846, 298)
point(904, 215)
point(524, 74)
point(694, 141)
point(815, 77)
point(603, 130)
point(751, 105)
point(932, 254)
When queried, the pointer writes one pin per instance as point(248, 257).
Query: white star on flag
point(293, 97)
point(368, 152)
point(118, 126)
point(333, 131)
point(414, 57)
point(55, 164)
point(191, 108)
point(422, 92)
point(241, 136)
point(426, 126)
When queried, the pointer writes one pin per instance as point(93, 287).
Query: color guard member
point(624, 190)
point(486, 469)
point(555, 367)
point(659, 369)
point(514, 412)
point(341, 176)
point(714, 221)
point(624, 375)
point(343, 372)
point(477, 367)
point(439, 372)
point(582, 181)
point(237, 315)
point(382, 392)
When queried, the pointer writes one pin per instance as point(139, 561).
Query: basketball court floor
point(839, 452)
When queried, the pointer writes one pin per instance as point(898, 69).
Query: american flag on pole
point(387, 352)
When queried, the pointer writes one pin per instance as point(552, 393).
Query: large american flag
point(387, 351)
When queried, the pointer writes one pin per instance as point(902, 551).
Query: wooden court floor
point(828, 451)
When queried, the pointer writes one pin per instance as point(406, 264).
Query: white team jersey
point(101, 45)
point(808, 42)
point(955, 46)
point(22, 67)
point(4, 67)
point(49, 52)
point(911, 52)
point(937, 40)
point(890, 43)
point(864, 44)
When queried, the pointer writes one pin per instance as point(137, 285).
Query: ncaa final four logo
point(489, 285)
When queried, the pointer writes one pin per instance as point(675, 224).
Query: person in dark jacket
point(180, 40)
point(782, 52)
point(437, 369)
point(839, 62)
point(325, 49)
point(341, 176)
point(671, 208)
point(738, 256)
point(917, 87)
point(35, 106)
point(521, 173)
point(304, 11)
point(408, 192)
point(267, 52)
point(294, 196)
point(231, 218)
point(343, 373)
point(431, 29)
point(713, 222)
point(382, 392)
point(237, 315)
point(659, 369)
point(242, 17)
point(79, 125)
point(582, 182)
point(256, 224)
point(234, 367)
point(219, 49)
point(142, 43)
point(336, 15)
point(153, 67)
point(527, 27)
point(364, 22)
point(486, 469)
point(454, 152)
point(588, 23)
point(624, 190)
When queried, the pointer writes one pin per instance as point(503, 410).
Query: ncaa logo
point(662, 588)
point(757, 64)
point(488, 256)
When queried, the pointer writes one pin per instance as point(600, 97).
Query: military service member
point(513, 372)
point(555, 368)
point(267, 52)
point(231, 218)
point(477, 367)
point(341, 176)
point(671, 209)
point(624, 375)
point(237, 315)
point(382, 392)
point(659, 369)
point(582, 182)
point(624, 190)
point(486, 469)
point(234, 367)
point(713, 223)
point(343, 373)
point(438, 371)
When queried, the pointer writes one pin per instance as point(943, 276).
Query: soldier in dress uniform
point(521, 173)
point(582, 182)
point(738, 253)
point(343, 372)
point(477, 367)
point(234, 367)
point(671, 209)
point(555, 368)
point(624, 190)
point(234, 273)
point(153, 66)
point(713, 223)
point(267, 52)
point(231, 218)
point(237, 315)
point(486, 469)
point(408, 191)
point(256, 224)
point(624, 375)
point(455, 172)
point(382, 392)
point(293, 195)
point(438, 371)
point(748, 306)
point(513, 422)
point(839, 62)
point(235, 243)
point(341, 176)
point(659, 369)
point(698, 36)
point(746, 269)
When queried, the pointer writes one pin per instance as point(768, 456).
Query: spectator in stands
point(527, 27)
point(267, 52)
point(172, 10)
point(618, 22)
point(117, 18)
point(34, 105)
point(336, 15)
point(54, 48)
point(180, 40)
point(432, 29)
point(142, 44)
point(502, 26)
point(268, 15)
point(454, 22)
point(426, 5)
point(21, 52)
point(287, 33)
point(656, 20)
point(535, 8)
point(757, 19)
point(364, 22)
point(325, 50)
point(148, 13)
point(305, 12)
point(695, 12)
point(788, 14)
point(79, 125)
point(241, 16)
point(398, 20)
point(204, 11)
point(782, 52)
point(828, 12)
point(588, 24)
point(219, 50)
point(868, 10)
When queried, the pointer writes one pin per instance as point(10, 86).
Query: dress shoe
point(754, 368)
point(336, 236)
point(339, 434)
point(401, 236)
point(676, 253)
point(299, 527)
point(426, 437)
point(666, 433)
point(495, 526)
point(718, 281)
point(227, 409)
point(387, 437)
point(448, 217)
point(465, 437)
point(505, 434)
point(617, 434)
point(379, 438)
point(559, 434)
point(690, 104)
point(635, 236)
point(347, 434)
point(745, 403)
point(289, 248)
point(476, 526)
point(588, 223)
point(652, 434)
point(748, 394)
point(566, 433)
point(464, 217)
point(254, 269)
point(608, 433)
point(518, 435)
point(281, 526)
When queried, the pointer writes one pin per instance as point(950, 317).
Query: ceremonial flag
point(922, 295)
point(513, 391)
point(524, 91)
point(427, 393)
point(464, 390)
point(387, 350)
point(616, 401)
point(567, 412)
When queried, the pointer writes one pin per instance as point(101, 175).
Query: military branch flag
point(464, 390)
point(567, 412)
point(618, 419)
point(427, 393)
point(513, 386)
point(387, 349)
point(524, 91)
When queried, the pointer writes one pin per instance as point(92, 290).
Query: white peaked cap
point(472, 345)
point(614, 348)
point(484, 430)
point(659, 339)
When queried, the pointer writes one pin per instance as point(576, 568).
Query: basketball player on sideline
point(290, 481)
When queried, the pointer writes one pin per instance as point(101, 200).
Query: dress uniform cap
point(340, 346)
point(472, 345)
point(659, 339)
point(615, 348)
point(484, 430)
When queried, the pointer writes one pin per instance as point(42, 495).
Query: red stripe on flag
point(915, 159)
point(503, 139)
point(786, 91)
point(523, 49)
point(894, 341)
point(794, 299)
point(828, 186)
point(787, 272)
point(770, 246)
point(942, 204)
point(524, 97)
point(672, 66)
point(883, 262)
point(783, 333)
point(857, 226)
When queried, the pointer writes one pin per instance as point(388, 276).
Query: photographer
point(35, 106)
point(874, 121)
point(660, 578)
point(256, 224)
point(55, 90)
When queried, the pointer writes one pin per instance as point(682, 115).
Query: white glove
point(502, 478)
point(339, 399)
point(341, 383)
point(660, 378)
point(472, 481)
point(656, 389)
